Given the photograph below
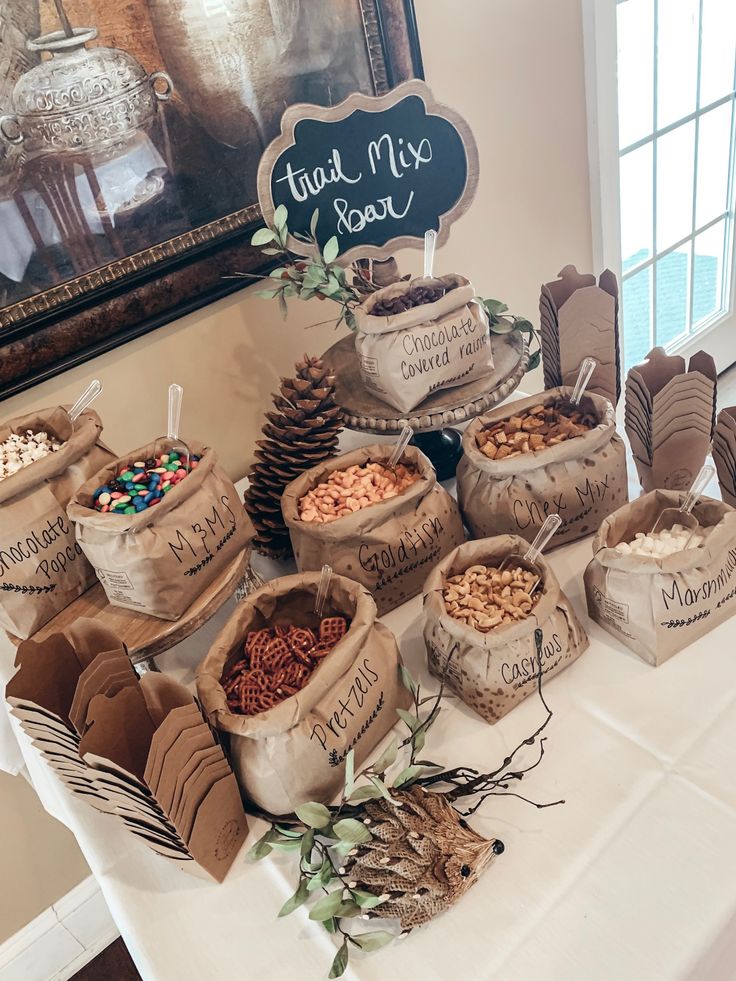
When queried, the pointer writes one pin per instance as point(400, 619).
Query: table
point(633, 878)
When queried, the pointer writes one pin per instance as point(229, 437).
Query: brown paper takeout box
point(137, 749)
point(295, 752)
point(407, 356)
point(657, 606)
point(582, 479)
point(160, 560)
point(42, 568)
point(389, 546)
point(492, 672)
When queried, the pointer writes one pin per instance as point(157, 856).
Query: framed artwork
point(130, 137)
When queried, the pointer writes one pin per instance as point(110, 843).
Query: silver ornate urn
point(18, 22)
point(82, 100)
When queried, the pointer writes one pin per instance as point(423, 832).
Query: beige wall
point(514, 69)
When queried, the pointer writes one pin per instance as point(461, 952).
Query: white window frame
point(718, 335)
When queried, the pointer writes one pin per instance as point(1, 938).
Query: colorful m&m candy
point(143, 483)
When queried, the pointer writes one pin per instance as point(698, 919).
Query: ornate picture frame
point(70, 323)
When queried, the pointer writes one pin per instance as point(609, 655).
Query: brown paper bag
point(160, 560)
point(42, 568)
point(405, 357)
point(388, 547)
point(658, 606)
point(492, 672)
point(582, 480)
point(295, 751)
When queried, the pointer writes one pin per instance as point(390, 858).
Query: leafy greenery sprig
point(506, 324)
point(319, 275)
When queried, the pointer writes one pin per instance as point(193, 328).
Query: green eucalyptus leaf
point(307, 844)
point(374, 940)
point(418, 739)
point(288, 832)
point(263, 236)
point(411, 720)
point(406, 776)
point(495, 307)
point(282, 305)
point(299, 897)
point(278, 273)
point(348, 909)
point(322, 877)
point(313, 223)
point(340, 962)
point(350, 319)
point(387, 757)
point(502, 327)
point(331, 249)
point(279, 217)
point(366, 900)
point(330, 925)
point(314, 815)
point(525, 326)
point(263, 846)
point(352, 831)
point(326, 907)
point(343, 847)
point(382, 788)
point(268, 294)
point(366, 792)
point(534, 361)
point(407, 680)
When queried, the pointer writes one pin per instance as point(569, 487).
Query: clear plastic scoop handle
point(85, 399)
point(406, 434)
point(176, 395)
point(550, 526)
point(430, 240)
point(585, 374)
point(322, 589)
point(698, 486)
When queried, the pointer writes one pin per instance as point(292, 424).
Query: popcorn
point(662, 543)
point(20, 449)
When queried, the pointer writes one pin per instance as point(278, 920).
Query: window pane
point(675, 163)
point(636, 310)
point(673, 300)
point(708, 273)
point(714, 140)
point(719, 50)
point(635, 20)
point(636, 206)
point(677, 59)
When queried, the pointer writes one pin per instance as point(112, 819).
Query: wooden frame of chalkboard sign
point(381, 170)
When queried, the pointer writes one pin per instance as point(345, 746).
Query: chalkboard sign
point(381, 171)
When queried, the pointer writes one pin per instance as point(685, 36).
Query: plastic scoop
point(322, 590)
point(85, 400)
point(430, 241)
point(529, 558)
point(587, 368)
point(406, 434)
point(171, 441)
point(683, 515)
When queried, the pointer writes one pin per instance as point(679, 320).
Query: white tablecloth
point(633, 878)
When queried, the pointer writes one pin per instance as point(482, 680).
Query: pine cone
point(301, 433)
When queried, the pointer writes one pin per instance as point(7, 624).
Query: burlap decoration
point(583, 479)
point(492, 672)
point(405, 357)
point(159, 560)
point(42, 568)
point(658, 606)
point(296, 751)
point(388, 547)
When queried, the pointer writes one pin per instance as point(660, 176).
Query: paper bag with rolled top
point(42, 568)
point(295, 751)
point(581, 479)
point(408, 354)
point(388, 547)
point(657, 606)
point(160, 560)
point(493, 671)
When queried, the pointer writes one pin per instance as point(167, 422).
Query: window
point(661, 84)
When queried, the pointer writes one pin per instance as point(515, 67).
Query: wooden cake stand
point(449, 407)
point(143, 635)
